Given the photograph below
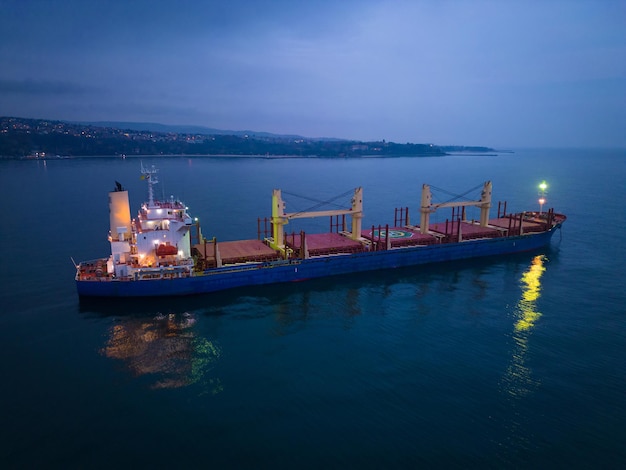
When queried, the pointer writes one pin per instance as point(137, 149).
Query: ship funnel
point(119, 214)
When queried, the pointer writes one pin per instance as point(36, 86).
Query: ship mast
point(150, 175)
point(280, 218)
point(427, 207)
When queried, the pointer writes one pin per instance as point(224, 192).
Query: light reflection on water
point(166, 350)
point(518, 377)
point(518, 381)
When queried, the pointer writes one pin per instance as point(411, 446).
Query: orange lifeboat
point(166, 250)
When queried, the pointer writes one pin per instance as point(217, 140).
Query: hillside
point(21, 137)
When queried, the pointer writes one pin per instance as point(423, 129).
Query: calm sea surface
point(512, 362)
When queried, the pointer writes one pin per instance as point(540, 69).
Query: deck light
point(542, 201)
point(542, 195)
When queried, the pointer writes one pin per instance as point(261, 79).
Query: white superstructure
point(155, 244)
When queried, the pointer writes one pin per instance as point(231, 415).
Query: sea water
point(502, 362)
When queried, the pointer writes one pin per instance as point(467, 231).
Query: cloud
point(43, 87)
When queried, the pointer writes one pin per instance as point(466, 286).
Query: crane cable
point(318, 202)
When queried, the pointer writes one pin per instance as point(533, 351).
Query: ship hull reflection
point(165, 350)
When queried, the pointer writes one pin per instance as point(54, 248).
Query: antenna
point(150, 175)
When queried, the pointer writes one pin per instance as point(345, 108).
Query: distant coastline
point(45, 139)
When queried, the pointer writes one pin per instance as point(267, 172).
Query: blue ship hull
point(234, 276)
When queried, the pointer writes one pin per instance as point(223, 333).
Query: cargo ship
point(162, 252)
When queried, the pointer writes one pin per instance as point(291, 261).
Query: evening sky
point(499, 73)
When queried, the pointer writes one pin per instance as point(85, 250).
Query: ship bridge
point(161, 213)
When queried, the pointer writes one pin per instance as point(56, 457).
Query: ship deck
point(399, 236)
point(498, 227)
point(469, 230)
point(238, 251)
point(443, 232)
point(321, 244)
point(324, 243)
point(530, 224)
